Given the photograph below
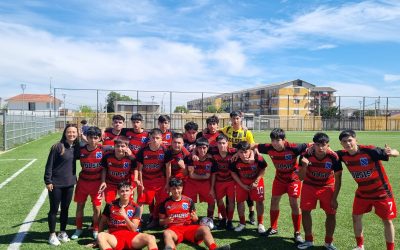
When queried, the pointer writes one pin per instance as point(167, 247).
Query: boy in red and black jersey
point(222, 183)
point(322, 172)
point(374, 190)
point(122, 217)
point(198, 182)
point(248, 174)
point(164, 122)
point(211, 133)
point(175, 158)
point(178, 214)
point(89, 180)
point(137, 136)
point(117, 130)
point(284, 157)
point(150, 172)
point(190, 136)
point(117, 167)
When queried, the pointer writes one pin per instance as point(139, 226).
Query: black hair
point(221, 137)
point(118, 118)
point(164, 118)
point(136, 117)
point(235, 113)
point(124, 184)
point(347, 133)
point(83, 122)
point(64, 137)
point(121, 140)
point(320, 138)
point(177, 135)
point(155, 131)
point(243, 145)
point(93, 131)
point(202, 142)
point(212, 119)
point(175, 182)
point(277, 133)
point(191, 126)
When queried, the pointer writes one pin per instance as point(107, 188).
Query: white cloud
point(391, 78)
point(325, 46)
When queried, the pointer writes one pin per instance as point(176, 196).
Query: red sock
point(222, 210)
point(328, 239)
point(296, 218)
point(79, 222)
point(242, 220)
point(390, 245)
point(108, 248)
point(360, 241)
point(309, 237)
point(212, 246)
point(260, 219)
point(274, 214)
point(230, 215)
point(154, 249)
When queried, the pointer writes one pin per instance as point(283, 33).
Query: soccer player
point(198, 183)
point(222, 183)
point(211, 133)
point(137, 136)
point(164, 122)
point(150, 175)
point(322, 172)
point(117, 130)
point(175, 160)
point(189, 138)
point(284, 156)
point(117, 167)
point(122, 218)
point(248, 174)
point(374, 190)
point(89, 180)
point(178, 214)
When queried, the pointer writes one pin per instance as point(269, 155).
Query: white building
point(35, 103)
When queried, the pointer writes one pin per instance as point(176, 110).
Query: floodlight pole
point(65, 113)
point(23, 87)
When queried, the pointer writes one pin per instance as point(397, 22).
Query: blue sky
point(210, 46)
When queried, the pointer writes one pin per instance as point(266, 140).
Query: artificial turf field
point(19, 195)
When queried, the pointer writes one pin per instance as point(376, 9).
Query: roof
point(323, 89)
point(33, 98)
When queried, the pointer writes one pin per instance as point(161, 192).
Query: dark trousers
point(59, 196)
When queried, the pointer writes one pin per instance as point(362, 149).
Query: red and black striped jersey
point(153, 162)
point(285, 161)
point(109, 136)
point(189, 145)
point(91, 163)
point(118, 170)
point(180, 211)
point(212, 140)
point(174, 158)
point(320, 172)
point(167, 138)
point(367, 170)
point(201, 167)
point(221, 167)
point(115, 220)
point(137, 141)
point(248, 172)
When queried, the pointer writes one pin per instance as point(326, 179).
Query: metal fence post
point(4, 131)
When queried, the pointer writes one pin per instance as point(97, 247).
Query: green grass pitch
point(18, 197)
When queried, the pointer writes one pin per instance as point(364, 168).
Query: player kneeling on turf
point(122, 218)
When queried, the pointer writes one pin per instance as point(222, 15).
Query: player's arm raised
point(391, 152)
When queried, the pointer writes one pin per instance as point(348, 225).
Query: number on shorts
point(296, 188)
point(390, 203)
point(100, 196)
point(260, 190)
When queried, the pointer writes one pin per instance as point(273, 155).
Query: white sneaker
point(261, 229)
point(240, 227)
point(297, 238)
point(76, 235)
point(305, 245)
point(53, 240)
point(63, 237)
point(359, 248)
point(330, 246)
point(95, 234)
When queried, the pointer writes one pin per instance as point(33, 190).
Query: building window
point(296, 112)
point(31, 106)
point(47, 105)
point(296, 101)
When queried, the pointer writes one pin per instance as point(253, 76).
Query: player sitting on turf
point(164, 122)
point(284, 157)
point(178, 214)
point(175, 158)
point(374, 190)
point(189, 138)
point(222, 183)
point(322, 172)
point(137, 136)
point(122, 217)
point(89, 180)
point(117, 167)
point(248, 174)
point(198, 182)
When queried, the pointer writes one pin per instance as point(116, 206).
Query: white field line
point(16, 174)
point(16, 159)
point(26, 225)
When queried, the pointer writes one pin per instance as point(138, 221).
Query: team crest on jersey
point(208, 167)
point(185, 206)
point(288, 157)
point(126, 165)
point(364, 161)
point(253, 167)
point(144, 139)
point(328, 165)
point(99, 155)
point(129, 213)
point(167, 136)
point(161, 156)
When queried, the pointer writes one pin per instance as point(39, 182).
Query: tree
point(181, 109)
point(329, 112)
point(211, 109)
point(85, 109)
point(114, 96)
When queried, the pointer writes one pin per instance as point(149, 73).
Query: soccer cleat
point(222, 224)
point(261, 229)
point(76, 235)
point(240, 227)
point(229, 226)
point(359, 247)
point(63, 237)
point(252, 218)
point(53, 240)
point(305, 245)
point(168, 248)
point(271, 231)
point(95, 234)
point(297, 238)
point(330, 246)
point(224, 247)
point(152, 224)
